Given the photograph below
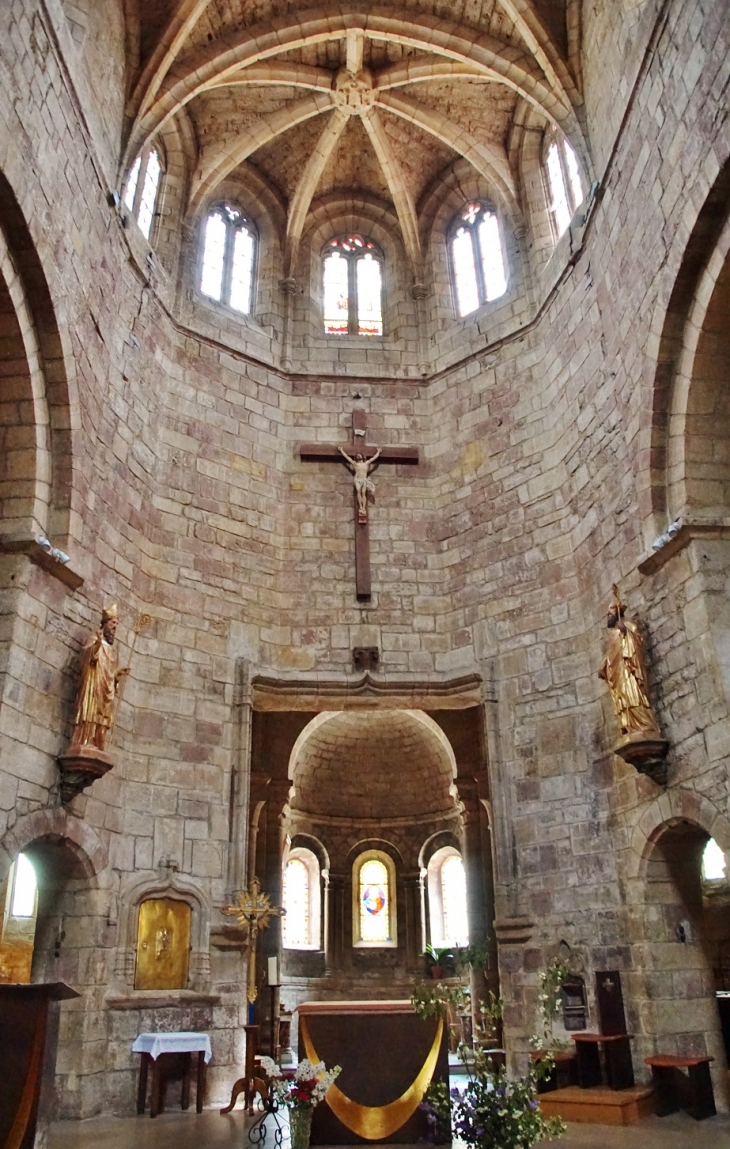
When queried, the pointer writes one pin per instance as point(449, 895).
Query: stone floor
point(209, 1130)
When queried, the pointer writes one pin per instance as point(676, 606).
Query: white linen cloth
point(181, 1042)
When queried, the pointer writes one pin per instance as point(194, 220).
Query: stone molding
point(513, 931)
point(366, 690)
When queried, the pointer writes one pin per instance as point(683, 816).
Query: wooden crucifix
point(360, 459)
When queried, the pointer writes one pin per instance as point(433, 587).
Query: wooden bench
point(674, 1091)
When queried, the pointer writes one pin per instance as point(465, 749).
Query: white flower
point(270, 1068)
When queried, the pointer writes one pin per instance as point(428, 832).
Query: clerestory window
point(228, 258)
point(563, 178)
point(301, 924)
point(477, 258)
point(143, 188)
point(447, 899)
point(352, 273)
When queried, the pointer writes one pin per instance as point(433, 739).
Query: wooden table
point(617, 1053)
point(162, 1052)
point(674, 1091)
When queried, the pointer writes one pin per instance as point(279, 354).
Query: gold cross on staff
point(254, 910)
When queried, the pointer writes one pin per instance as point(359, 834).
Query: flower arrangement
point(308, 1086)
point(493, 1111)
point(549, 1000)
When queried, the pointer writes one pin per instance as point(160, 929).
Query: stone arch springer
point(672, 807)
point(58, 826)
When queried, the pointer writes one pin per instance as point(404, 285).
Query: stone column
point(415, 944)
point(336, 947)
point(237, 877)
point(479, 884)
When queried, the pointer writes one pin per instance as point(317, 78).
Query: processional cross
point(360, 458)
point(254, 910)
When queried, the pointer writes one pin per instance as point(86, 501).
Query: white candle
point(273, 971)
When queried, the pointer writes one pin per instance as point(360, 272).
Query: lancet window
point(24, 889)
point(143, 187)
point(713, 863)
point(352, 274)
point(373, 889)
point(477, 259)
point(228, 258)
point(447, 900)
point(563, 178)
point(300, 926)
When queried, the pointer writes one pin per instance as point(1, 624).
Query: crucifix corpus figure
point(362, 468)
point(360, 458)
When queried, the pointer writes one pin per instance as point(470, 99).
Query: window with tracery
point(228, 258)
point(477, 259)
point(374, 917)
point(143, 187)
point(447, 901)
point(564, 182)
point(713, 863)
point(300, 925)
point(352, 274)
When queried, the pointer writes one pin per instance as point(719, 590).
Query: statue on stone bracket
point(96, 705)
point(624, 669)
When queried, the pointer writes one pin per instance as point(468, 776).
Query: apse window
point(477, 259)
point(563, 178)
point(25, 889)
point(352, 272)
point(300, 927)
point(228, 258)
point(446, 882)
point(374, 919)
point(143, 187)
point(713, 863)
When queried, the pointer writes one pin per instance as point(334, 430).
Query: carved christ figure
point(99, 685)
point(361, 469)
point(624, 670)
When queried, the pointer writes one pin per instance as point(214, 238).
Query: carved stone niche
point(167, 885)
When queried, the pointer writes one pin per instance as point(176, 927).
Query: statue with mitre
point(624, 669)
point(98, 688)
point(96, 704)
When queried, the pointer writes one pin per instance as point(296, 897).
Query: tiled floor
point(210, 1130)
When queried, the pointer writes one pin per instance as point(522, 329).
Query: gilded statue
point(99, 685)
point(624, 669)
point(362, 468)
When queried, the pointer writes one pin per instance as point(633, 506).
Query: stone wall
point(186, 498)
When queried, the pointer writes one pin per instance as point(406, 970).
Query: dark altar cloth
point(382, 1047)
point(28, 1043)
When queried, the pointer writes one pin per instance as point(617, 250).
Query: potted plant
point(299, 1094)
point(494, 1111)
point(440, 963)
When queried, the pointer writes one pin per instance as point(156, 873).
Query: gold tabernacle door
point(377, 1123)
point(163, 944)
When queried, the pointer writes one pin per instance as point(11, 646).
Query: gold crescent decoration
point(376, 1122)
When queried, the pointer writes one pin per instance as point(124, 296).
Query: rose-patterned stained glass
point(353, 287)
point(374, 902)
point(295, 922)
point(453, 897)
point(477, 258)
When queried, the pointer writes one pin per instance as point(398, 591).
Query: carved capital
point(288, 286)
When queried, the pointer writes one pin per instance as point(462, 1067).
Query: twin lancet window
point(563, 175)
point(143, 185)
point(353, 287)
point(477, 259)
point(229, 254)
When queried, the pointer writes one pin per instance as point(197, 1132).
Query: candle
point(273, 971)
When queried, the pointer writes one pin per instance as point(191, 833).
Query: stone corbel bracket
point(687, 533)
point(41, 557)
point(514, 931)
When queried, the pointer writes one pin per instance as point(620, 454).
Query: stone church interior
point(364, 541)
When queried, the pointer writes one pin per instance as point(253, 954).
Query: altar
point(389, 1057)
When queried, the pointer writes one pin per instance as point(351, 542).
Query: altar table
point(389, 1057)
point(156, 1046)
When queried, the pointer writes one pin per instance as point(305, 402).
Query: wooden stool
point(564, 1071)
point(617, 1051)
point(674, 1091)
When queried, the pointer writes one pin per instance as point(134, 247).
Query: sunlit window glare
point(495, 280)
point(374, 902)
point(214, 249)
point(295, 923)
point(369, 296)
point(453, 893)
point(713, 862)
point(574, 180)
point(132, 184)
point(477, 259)
point(465, 273)
point(24, 889)
point(149, 194)
point(352, 280)
point(336, 296)
point(229, 254)
point(560, 206)
point(242, 270)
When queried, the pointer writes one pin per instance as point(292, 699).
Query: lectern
point(28, 1043)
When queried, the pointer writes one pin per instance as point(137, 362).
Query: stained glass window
point(24, 889)
point(295, 923)
point(228, 259)
point(564, 182)
point(353, 287)
point(713, 862)
point(374, 902)
point(143, 185)
point(453, 895)
point(477, 258)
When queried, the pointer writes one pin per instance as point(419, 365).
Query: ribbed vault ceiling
point(372, 100)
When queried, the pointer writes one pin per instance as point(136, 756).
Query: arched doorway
point(684, 929)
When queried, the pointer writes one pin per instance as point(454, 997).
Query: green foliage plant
point(552, 978)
